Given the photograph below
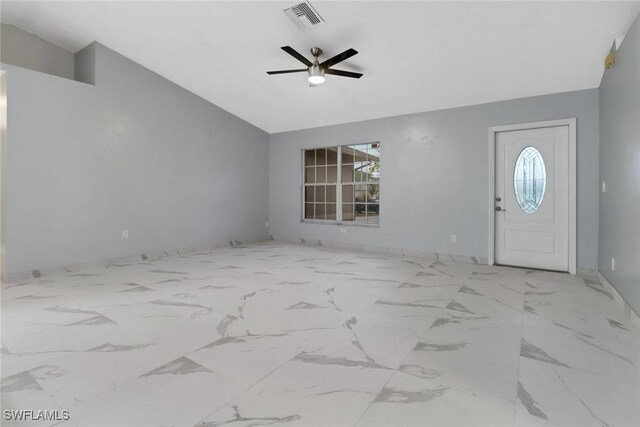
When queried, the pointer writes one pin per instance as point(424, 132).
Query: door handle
point(498, 199)
point(499, 209)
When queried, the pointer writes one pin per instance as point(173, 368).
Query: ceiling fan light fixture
point(316, 74)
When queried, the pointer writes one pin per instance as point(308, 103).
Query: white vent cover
point(304, 15)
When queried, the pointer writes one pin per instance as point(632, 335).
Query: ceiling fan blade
point(339, 58)
point(291, 51)
point(343, 73)
point(287, 71)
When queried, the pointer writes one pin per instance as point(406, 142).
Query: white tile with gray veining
point(280, 334)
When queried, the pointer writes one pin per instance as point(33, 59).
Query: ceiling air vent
point(304, 15)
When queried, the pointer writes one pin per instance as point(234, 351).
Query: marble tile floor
point(278, 334)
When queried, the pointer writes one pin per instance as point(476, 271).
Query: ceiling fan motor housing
point(316, 72)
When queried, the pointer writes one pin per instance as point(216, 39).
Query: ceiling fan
point(317, 69)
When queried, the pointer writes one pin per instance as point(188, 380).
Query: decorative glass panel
point(529, 179)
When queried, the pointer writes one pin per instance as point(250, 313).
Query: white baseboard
point(629, 312)
point(587, 272)
point(25, 276)
point(382, 250)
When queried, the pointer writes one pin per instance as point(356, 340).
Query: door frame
point(493, 130)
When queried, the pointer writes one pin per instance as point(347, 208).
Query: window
point(529, 179)
point(342, 184)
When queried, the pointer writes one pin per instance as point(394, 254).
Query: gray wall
point(23, 49)
point(85, 65)
point(435, 175)
point(134, 152)
point(620, 169)
point(3, 137)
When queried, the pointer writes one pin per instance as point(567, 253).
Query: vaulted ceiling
point(415, 56)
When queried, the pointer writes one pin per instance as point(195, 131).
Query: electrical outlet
point(613, 264)
point(454, 238)
point(266, 224)
point(125, 234)
point(604, 186)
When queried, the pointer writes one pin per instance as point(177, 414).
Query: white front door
point(532, 198)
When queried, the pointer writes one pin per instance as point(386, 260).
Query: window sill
point(340, 223)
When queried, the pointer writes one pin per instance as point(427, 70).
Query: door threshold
point(533, 268)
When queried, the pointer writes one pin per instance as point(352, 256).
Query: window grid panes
point(356, 198)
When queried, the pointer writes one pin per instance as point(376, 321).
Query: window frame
point(338, 184)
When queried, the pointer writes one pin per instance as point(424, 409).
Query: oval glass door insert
point(529, 179)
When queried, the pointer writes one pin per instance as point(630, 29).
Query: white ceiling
point(415, 56)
